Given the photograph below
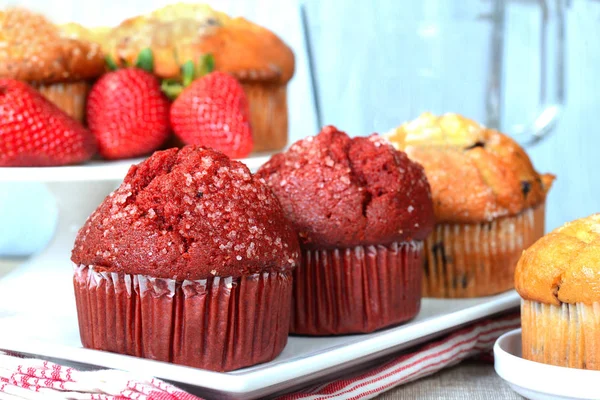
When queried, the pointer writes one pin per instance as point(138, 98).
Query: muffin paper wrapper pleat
point(353, 290)
point(69, 97)
point(566, 335)
point(471, 260)
point(268, 115)
point(221, 323)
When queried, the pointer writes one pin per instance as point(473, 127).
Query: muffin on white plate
point(558, 278)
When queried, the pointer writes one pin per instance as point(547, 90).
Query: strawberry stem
point(171, 88)
point(110, 63)
point(145, 60)
point(188, 73)
point(206, 65)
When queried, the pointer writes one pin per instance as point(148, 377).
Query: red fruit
point(128, 113)
point(34, 132)
point(213, 111)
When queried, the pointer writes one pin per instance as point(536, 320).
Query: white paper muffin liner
point(69, 97)
point(472, 260)
point(567, 335)
point(268, 114)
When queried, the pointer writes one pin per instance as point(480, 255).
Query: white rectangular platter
point(38, 316)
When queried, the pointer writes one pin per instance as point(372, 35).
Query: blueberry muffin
point(488, 201)
point(558, 278)
point(259, 59)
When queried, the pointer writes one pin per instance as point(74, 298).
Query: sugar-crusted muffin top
point(343, 192)
point(188, 213)
point(563, 266)
point(476, 174)
point(35, 50)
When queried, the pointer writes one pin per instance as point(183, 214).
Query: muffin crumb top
point(343, 192)
point(33, 49)
point(563, 266)
point(476, 174)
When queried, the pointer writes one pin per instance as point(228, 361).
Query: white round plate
point(539, 381)
point(91, 171)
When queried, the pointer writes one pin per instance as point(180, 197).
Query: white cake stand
point(78, 190)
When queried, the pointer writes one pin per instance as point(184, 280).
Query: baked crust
point(189, 213)
point(33, 49)
point(182, 32)
point(342, 192)
point(563, 266)
point(476, 174)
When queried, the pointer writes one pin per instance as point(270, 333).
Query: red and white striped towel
point(24, 378)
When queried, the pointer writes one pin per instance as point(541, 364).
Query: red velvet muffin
point(189, 261)
point(361, 210)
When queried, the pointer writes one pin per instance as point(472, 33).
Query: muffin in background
point(34, 50)
point(361, 210)
point(189, 261)
point(488, 201)
point(180, 33)
point(558, 278)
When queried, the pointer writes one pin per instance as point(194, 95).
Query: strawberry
point(128, 113)
point(34, 132)
point(213, 111)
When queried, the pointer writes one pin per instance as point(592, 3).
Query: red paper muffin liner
point(356, 290)
point(219, 323)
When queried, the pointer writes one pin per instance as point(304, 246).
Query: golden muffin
point(254, 55)
point(558, 278)
point(34, 50)
point(488, 203)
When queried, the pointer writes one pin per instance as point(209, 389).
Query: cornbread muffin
point(189, 261)
point(558, 278)
point(34, 50)
point(361, 210)
point(488, 201)
point(254, 55)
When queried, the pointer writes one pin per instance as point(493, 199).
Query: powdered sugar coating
point(188, 214)
point(343, 192)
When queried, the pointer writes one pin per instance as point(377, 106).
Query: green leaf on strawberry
point(110, 63)
point(205, 65)
point(171, 88)
point(145, 60)
point(190, 71)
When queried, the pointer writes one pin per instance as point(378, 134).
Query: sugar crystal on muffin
point(189, 211)
point(361, 210)
point(190, 257)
